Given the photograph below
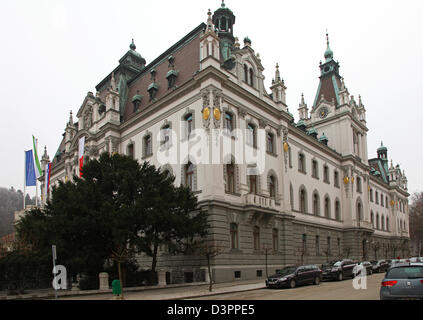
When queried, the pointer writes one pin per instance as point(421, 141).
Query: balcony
point(259, 201)
point(365, 224)
point(404, 233)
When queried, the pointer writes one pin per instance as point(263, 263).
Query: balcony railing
point(365, 224)
point(259, 201)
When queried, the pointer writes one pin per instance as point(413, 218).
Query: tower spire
point(328, 52)
point(277, 73)
point(132, 45)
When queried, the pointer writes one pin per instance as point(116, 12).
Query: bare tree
point(209, 249)
point(416, 220)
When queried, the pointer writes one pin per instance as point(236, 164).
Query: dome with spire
point(328, 52)
point(382, 148)
point(132, 48)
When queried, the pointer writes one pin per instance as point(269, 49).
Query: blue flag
point(29, 169)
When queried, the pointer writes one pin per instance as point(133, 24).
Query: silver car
point(403, 281)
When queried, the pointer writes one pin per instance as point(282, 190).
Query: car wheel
point(292, 284)
point(317, 281)
point(340, 276)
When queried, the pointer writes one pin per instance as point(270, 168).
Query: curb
point(214, 293)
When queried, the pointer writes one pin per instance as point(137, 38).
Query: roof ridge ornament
point(132, 46)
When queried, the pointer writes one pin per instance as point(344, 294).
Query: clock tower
point(336, 113)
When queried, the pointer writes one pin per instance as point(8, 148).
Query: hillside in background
point(10, 201)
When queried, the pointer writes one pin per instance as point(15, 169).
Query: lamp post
point(266, 250)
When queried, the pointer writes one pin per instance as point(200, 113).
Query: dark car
point(292, 276)
point(367, 265)
point(340, 270)
point(380, 266)
point(403, 282)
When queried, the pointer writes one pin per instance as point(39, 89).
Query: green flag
point(38, 171)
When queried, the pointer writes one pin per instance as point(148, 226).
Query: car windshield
point(338, 264)
point(409, 272)
point(286, 271)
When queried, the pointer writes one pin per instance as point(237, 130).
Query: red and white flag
point(81, 154)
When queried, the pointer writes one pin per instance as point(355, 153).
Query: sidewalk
point(185, 291)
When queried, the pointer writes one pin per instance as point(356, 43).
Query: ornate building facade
point(318, 196)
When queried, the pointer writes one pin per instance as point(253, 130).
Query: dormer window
point(245, 73)
point(251, 77)
point(136, 101)
point(153, 87)
point(171, 74)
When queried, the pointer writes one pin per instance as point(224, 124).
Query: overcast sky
point(53, 52)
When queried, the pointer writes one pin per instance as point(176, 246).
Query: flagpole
point(24, 180)
point(36, 180)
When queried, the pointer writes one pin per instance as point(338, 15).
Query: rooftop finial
point(277, 73)
point(223, 3)
point(132, 45)
point(302, 98)
point(328, 52)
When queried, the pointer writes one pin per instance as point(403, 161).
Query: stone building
point(316, 195)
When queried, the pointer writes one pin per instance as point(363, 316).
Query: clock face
point(323, 113)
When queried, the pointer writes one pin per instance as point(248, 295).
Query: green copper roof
point(323, 138)
point(137, 97)
point(153, 85)
point(382, 147)
point(300, 123)
point(312, 131)
point(246, 39)
point(171, 72)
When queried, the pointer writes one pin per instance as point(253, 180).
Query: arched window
point(327, 207)
point(230, 177)
point(383, 222)
point(372, 218)
point(189, 124)
point(377, 197)
point(256, 238)
point(251, 77)
point(371, 195)
point(229, 122)
point(303, 200)
point(272, 187)
point(270, 143)
point(381, 200)
point(189, 176)
point(316, 204)
point(377, 221)
point(245, 73)
point(337, 210)
point(275, 239)
point(234, 235)
point(387, 224)
point(386, 202)
point(251, 135)
point(359, 211)
point(314, 169)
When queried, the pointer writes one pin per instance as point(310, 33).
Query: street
point(327, 290)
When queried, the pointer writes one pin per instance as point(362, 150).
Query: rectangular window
point(336, 179)
point(317, 246)
point(237, 274)
point(326, 174)
point(259, 273)
point(301, 163)
point(315, 171)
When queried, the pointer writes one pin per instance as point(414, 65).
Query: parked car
point(292, 276)
point(367, 265)
point(340, 270)
point(379, 266)
point(403, 282)
point(416, 259)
